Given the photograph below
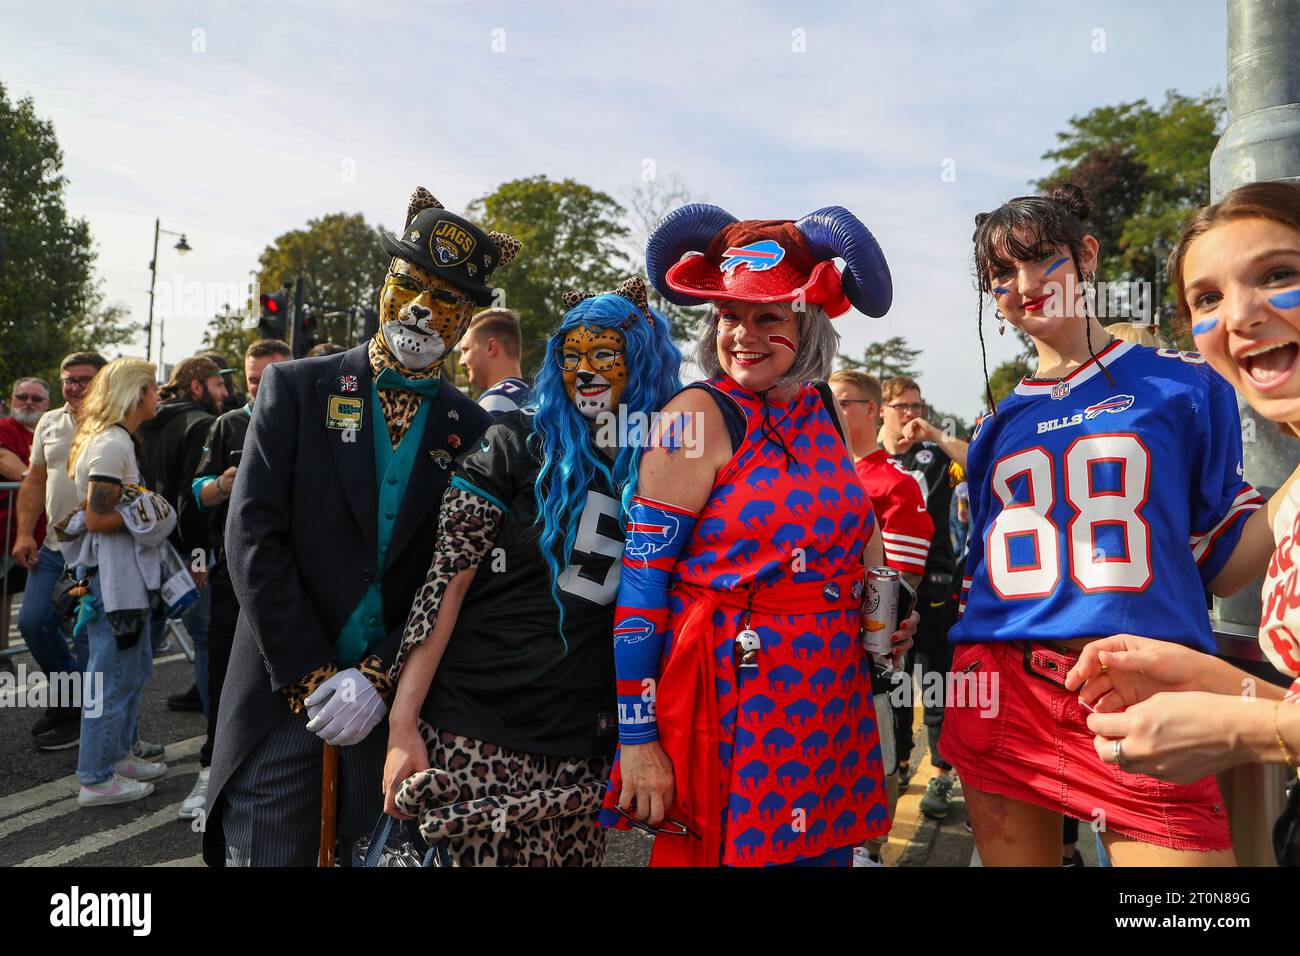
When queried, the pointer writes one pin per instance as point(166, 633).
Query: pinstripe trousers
point(271, 813)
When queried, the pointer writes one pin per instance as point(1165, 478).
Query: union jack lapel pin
point(348, 383)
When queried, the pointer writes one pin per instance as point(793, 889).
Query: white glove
point(344, 709)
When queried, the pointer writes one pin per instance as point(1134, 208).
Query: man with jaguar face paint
point(506, 689)
point(331, 530)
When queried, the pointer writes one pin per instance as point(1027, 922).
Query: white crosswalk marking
point(24, 800)
point(106, 838)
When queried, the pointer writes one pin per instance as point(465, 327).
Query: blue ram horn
point(689, 228)
point(833, 231)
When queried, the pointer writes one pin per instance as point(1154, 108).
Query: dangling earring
point(1002, 322)
point(1089, 290)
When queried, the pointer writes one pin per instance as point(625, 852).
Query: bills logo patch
point(632, 630)
point(759, 256)
point(649, 534)
point(1116, 403)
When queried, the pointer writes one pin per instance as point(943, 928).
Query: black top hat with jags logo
point(450, 246)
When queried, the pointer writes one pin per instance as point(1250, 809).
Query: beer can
point(880, 614)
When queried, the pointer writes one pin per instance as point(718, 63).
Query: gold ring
point(1104, 668)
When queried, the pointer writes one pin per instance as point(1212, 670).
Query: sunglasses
point(408, 285)
point(27, 397)
point(683, 829)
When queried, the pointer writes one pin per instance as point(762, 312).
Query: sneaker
point(187, 701)
point(48, 721)
point(862, 858)
point(65, 734)
point(937, 797)
point(137, 769)
point(905, 773)
point(147, 751)
point(198, 797)
point(116, 789)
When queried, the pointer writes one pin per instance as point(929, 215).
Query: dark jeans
point(933, 654)
point(221, 637)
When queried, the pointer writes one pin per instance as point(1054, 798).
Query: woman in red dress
point(746, 723)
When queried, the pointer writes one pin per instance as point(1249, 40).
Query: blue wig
point(570, 459)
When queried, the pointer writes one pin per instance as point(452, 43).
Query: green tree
point(648, 201)
point(1006, 377)
point(342, 262)
point(1147, 170)
point(572, 238)
point(230, 334)
point(50, 301)
point(886, 359)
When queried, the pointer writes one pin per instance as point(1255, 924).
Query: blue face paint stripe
point(1001, 291)
point(1056, 265)
point(1200, 328)
point(1285, 300)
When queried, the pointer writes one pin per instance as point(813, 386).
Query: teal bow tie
point(391, 378)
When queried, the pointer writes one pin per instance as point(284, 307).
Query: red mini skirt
point(1011, 729)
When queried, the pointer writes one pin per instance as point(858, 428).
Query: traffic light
point(304, 336)
point(275, 315)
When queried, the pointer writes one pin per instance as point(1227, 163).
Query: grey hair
point(818, 344)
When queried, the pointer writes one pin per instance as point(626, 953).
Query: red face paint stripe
point(782, 341)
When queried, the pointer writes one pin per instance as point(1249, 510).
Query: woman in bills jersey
point(1236, 273)
point(1106, 493)
point(503, 723)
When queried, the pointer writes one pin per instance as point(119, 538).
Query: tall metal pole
point(1260, 143)
point(153, 277)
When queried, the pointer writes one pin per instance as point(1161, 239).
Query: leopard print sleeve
point(467, 526)
point(305, 686)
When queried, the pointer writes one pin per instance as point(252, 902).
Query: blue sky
point(235, 122)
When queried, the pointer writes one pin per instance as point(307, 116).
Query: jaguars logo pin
point(441, 457)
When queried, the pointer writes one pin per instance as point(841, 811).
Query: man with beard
point(30, 399)
point(173, 445)
point(210, 493)
point(330, 534)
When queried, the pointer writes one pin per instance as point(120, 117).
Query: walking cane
point(329, 804)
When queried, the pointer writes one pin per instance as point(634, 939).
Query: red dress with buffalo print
point(799, 748)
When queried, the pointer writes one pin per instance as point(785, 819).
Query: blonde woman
point(105, 466)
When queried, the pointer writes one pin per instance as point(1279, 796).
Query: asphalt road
point(42, 825)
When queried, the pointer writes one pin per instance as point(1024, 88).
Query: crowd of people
point(611, 599)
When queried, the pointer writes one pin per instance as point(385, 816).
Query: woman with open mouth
point(1088, 484)
point(1236, 273)
point(746, 722)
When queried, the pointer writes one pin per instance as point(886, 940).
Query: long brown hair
point(1277, 201)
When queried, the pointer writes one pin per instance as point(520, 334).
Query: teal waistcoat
point(364, 628)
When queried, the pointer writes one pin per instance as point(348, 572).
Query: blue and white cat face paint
point(1241, 286)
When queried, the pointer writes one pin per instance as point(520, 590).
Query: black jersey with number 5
point(505, 677)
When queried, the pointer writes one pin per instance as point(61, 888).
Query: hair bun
point(979, 218)
point(1073, 198)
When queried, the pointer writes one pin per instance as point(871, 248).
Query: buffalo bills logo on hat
point(633, 630)
point(759, 256)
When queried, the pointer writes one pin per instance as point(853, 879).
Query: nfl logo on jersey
point(1060, 390)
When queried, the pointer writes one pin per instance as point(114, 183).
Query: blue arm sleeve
point(656, 534)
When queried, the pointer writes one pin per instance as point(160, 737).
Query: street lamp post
point(182, 247)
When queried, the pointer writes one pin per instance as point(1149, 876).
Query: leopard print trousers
point(486, 805)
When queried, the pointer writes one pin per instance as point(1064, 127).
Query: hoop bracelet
point(1286, 752)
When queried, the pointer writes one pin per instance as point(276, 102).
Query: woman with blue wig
point(747, 726)
point(504, 722)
